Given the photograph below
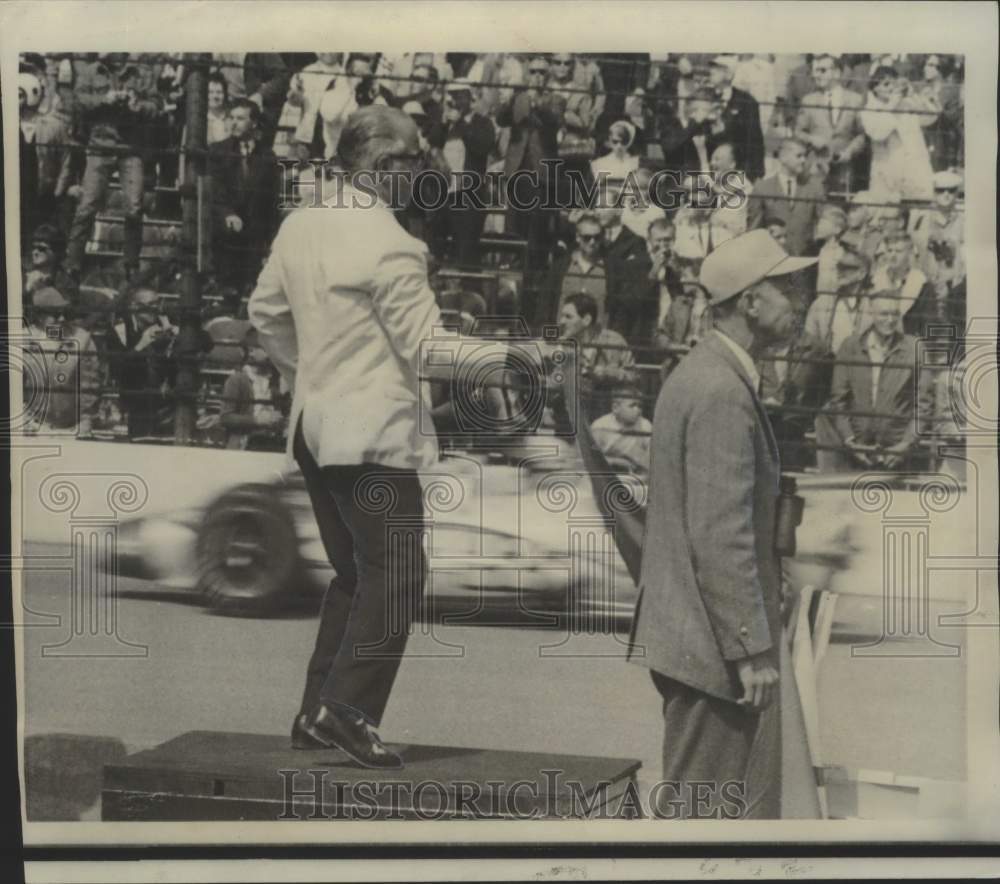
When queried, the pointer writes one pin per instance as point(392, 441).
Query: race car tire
point(248, 560)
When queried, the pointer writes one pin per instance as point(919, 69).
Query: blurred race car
point(507, 545)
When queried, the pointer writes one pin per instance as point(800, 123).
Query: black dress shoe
point(301, 738)
point(340, 729)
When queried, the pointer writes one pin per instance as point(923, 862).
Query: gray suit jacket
point(711, 582)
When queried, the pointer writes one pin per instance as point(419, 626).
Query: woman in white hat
point(618, 163)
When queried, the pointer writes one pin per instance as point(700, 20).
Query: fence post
point(195, 146)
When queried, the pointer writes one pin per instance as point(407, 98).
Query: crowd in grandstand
point(856, 159)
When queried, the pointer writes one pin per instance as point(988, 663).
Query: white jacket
point(345, 312)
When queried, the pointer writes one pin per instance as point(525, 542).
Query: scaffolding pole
point(192, 230)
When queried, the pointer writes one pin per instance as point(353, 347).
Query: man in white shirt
point(344, 309)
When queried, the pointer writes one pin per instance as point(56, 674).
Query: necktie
point(833, 110)
point(789, 186)
point(245, 160)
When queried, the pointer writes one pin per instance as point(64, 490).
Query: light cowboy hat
point(744, 261)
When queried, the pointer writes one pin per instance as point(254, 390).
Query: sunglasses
point(39, 247)
point(538, 70)
point(616, 141)
point(588, 237)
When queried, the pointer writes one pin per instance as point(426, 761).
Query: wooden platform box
point(207, 775)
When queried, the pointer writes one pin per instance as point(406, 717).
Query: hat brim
point(789, 265)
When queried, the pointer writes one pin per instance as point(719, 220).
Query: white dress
point(901, 163)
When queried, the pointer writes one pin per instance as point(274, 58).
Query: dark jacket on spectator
point(117, 124)
point(903, 399)
point(634, 306)
point(248, 190)
point(741, 116)
point(479, 137)
point(679, 151)
point(532, 132)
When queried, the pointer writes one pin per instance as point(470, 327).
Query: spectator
point(731, 191)
point(244, 195)
point(603, 356)
point(250, 417)
point(469, 138)
point(799, 85)
point(794, 382)
point(943, 135)
point(826, 244)
point(61, 389)
point(688, 139)
point(44, 266)
point(624, 252)
point(140, 350)
point(45, 138)
point(939, 233)
point(534, 123)
point(894, 119)
point(898, 275)
point(755, 74)
point(218, 99)
point(317, 133)
point(701, 224)
point(877, 374)
point(689, 317)
point(266, 76)
point(829, 121)
point(575, 110)
point(498, 72)
point(787, 196)
point(740, 116)
point(581, 271)
point(776, 227)
point(638, 208)
point(119, 103)
point(619, 162)
point(649, 284)
point(864, 213)
point(844, 310)
point(231, 66)
point(623, 435)
point(587, 75)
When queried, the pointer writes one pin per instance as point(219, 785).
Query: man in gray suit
point(708, 622)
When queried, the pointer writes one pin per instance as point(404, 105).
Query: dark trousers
point(370, 519)
point(721, 760)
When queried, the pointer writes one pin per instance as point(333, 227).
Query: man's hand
point(759, 679)
point(151, 334)
point(234, 223)
point(857, 452)
point(893, 456)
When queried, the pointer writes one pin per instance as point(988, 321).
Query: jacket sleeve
point(220, 159)
point(271, 315)
point(720, 467)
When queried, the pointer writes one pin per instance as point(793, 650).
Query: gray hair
point(371, 133)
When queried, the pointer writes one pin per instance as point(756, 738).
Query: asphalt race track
point(460, 686)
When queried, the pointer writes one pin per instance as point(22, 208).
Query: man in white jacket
point(344, 309)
